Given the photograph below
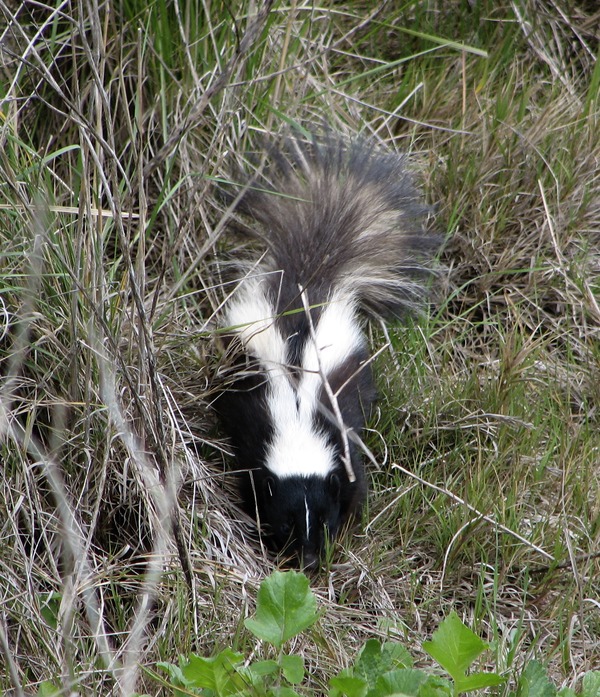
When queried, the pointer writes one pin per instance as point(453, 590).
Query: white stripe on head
point(307, 518)
point(297, 448)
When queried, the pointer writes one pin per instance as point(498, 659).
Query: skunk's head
point(299, 514)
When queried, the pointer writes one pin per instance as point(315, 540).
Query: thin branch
point(479, 514)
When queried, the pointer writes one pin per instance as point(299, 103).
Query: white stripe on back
point(297, 447)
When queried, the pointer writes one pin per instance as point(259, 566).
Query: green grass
point(115, 123)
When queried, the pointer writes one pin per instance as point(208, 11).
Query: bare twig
point(479, 514)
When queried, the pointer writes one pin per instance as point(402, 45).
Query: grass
point(120, 545)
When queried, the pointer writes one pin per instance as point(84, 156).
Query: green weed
point(286, 607)
point(120, 542)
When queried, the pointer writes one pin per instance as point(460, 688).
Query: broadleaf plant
point(455, 647)
point(286, 606)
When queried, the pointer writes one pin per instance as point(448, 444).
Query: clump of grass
point(121, 543)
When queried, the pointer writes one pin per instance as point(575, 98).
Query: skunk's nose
point(309, 560)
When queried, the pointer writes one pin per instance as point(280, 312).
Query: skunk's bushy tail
point(341, 216)
point(344, 228)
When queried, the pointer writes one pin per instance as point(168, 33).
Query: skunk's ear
point(269, 487)
point(334, 485)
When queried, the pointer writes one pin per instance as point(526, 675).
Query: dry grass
point(120, 543)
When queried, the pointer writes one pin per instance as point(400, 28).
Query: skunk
point(342, 229)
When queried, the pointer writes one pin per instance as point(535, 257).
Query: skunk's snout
point(309, 560)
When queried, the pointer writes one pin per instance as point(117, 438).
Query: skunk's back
point(345, 216)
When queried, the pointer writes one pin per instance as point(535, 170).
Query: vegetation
point(121, 545)
point(285, 607)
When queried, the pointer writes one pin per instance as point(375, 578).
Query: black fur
point(278, 505)
point(334, 217)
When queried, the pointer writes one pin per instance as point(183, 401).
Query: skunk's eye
point(334, 485)
point(286, 528)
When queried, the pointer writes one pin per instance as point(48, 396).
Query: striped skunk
point(342, 230)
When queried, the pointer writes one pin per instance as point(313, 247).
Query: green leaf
point(293, 669)
point(566, 692)
point(217, 673)
point(376, 658)
point(48, 689)
point(405, 681)
point(478, 681)
point(260, 669)
point(285, 606)
point(454, 646)
point(534, 682)
point(436, 686)
point(282, 692)
point(591, 684)
point(349, 685)
point(174, 673)
point(49, 610)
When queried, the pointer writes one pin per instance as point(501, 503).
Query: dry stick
point(332, 397)
point(481, 515)
point(13, 671)
point(16, 360)
point(127, 675)
point(73, 537)
point(149, 350)
point(253, 30)
point(574, 568)
point(66, 210)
